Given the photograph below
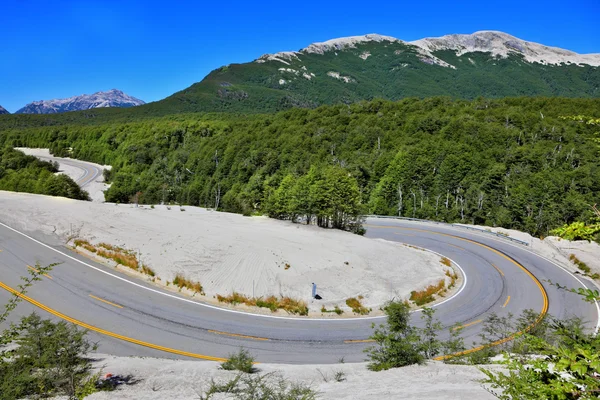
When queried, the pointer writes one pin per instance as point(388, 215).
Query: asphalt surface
point(129, 317)
point(89, 172)
point(139, 311)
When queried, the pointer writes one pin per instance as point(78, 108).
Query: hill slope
point(111, 98)
point(490, 64)
point(3, 110)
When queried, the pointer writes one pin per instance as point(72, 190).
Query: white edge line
point(596, 303)
point(225, 309)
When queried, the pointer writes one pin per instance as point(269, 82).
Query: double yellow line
point(537, 282)
point(104, 331)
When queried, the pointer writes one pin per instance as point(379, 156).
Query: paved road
point(89, 171)
point(128, 311)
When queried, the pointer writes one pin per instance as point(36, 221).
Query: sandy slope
point(229, 252)
point(167, 379)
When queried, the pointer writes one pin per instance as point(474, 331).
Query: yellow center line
point(506, 302)
point(105, 332)
point(38, 271)
point(237, 335)
point(498, 269)
point(105, 301)
point(537, 282)
point(403, 234)
point(465, 325)
point(359, 341)
point(453, 245)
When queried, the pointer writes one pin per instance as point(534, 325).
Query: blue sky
point(151, 49)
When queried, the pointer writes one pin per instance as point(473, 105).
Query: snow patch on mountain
point(346, 42)
point(111, 98)
point(502, 45)
point(340, 77)
point(365, 55)
point(284, 57)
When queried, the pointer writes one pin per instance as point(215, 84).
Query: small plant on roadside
point(260, 387)
point(273, 303)
point(240, 361)
point(421, 297)
point(182, 282)
point(356, 306)
point(148, 271)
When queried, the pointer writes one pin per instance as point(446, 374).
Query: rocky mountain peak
point(110, 98)
point(502, 45)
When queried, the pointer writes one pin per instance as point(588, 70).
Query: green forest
point(22, 173)
point(512, 162)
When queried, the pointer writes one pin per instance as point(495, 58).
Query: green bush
point(240, 361)
point(50, 359)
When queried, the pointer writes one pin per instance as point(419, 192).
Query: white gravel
point(229, 252)
point(167, 379)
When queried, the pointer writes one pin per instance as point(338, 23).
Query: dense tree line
point(22, 173)
point(510, 162)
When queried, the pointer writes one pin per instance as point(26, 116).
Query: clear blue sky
point(151, 49)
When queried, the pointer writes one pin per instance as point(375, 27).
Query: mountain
point(3, 111)
point(486, 63)
point(111, 98)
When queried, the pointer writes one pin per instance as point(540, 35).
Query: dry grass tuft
point(427, 295)
point(182, 282)
point(446, 261)
point(273, 303)
point(85, 244)
point(356, 306)
point(453, 278)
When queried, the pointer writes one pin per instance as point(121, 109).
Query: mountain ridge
point(110, 98)
point(3, 111)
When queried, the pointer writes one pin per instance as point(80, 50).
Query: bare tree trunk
point(217, 196)
point(399, 200)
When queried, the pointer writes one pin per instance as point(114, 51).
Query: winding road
point(130, 317)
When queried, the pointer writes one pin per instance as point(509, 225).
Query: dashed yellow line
point(506, 302)
point(403, 234)
point(465, 325)
point(237, 335)
point(105, 301)
point(498, 269)
point(453, 245)
point(359, 341)
point(38, 271)
point(105, 332)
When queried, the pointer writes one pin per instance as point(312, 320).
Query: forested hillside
point(508, 162)
point(22, 173)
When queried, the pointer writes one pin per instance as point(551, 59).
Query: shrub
point(51, 359)
point(258, 387)
point(240, 361)
point(356, 306)
point(397, 342)
point(446, 261)
point(577, 231)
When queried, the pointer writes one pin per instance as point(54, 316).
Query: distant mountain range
point(486, 63)
point(111, 98)
point(3, 111)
